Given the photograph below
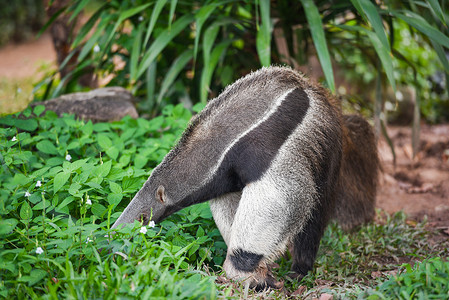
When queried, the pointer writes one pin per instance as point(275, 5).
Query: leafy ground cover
point(64, 182)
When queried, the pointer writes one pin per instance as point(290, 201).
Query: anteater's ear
point(160, 194)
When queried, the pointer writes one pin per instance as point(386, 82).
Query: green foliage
point(426, 280)
point(20, 19)
point(65, 181)
point(170, 51)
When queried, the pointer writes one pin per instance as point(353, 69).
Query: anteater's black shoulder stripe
point(273, 75)
point(253, 154)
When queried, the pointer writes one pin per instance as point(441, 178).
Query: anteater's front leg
point(267, 219)
point(223, 209)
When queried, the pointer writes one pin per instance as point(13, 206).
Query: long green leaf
point(177, 66)
point(263, 38)
point(317, 32)
point(122, 17)
point(437, 10)
point(200, 18)
point(78, 8)
point(132, 11)
point(91, 23)
point(93, 39)
point(151, 84)
point(208, 70)
point(154, 16)
point(161, 42)
point(367, 9)
point(208, 41)
point(135, 52)
point(384, 56)
point(422, 25)
point(211, 34)
point(173, 4)
point(50, 21)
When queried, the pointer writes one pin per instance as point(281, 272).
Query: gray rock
point(99, 105)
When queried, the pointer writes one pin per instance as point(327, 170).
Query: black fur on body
point(278, 160)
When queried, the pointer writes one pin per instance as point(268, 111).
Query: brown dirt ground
point(22, 60)
point(419, 187)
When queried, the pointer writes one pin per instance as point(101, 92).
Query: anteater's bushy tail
point(356, 190)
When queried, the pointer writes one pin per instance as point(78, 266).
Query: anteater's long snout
point(140, 209)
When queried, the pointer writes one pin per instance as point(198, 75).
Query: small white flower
point(27, 194)
point(151, 224)
point(68, 157)
point(88, 240)
point(13, 139)
point(143, 230)
point(19, 90)
point(39, 250)
point(140, 18)
point(96, 48)
point(38, 183)
point(88, 202)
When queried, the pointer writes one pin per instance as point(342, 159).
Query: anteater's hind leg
point(223, 209)
point(306, 242)
point(269, 215)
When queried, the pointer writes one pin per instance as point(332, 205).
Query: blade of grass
point(369, 11)
point(201, 17)
point(177, 66)
point(78, 8)
point(93, 39)
point(208, 41)
point(317, 32)
point(161, 41)
point(151, 85)
point(384, 56)
point(437, 10)
point(135, 53)
point(173, 4)
point(89, 25)
point(50, 21)
point(263, 39)
point(154, 16)
point(208, 70)
point(122, 17)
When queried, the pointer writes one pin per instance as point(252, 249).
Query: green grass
point(55, 216)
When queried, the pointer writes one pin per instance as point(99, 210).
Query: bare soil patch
point(22, 60)
point(419, 186)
